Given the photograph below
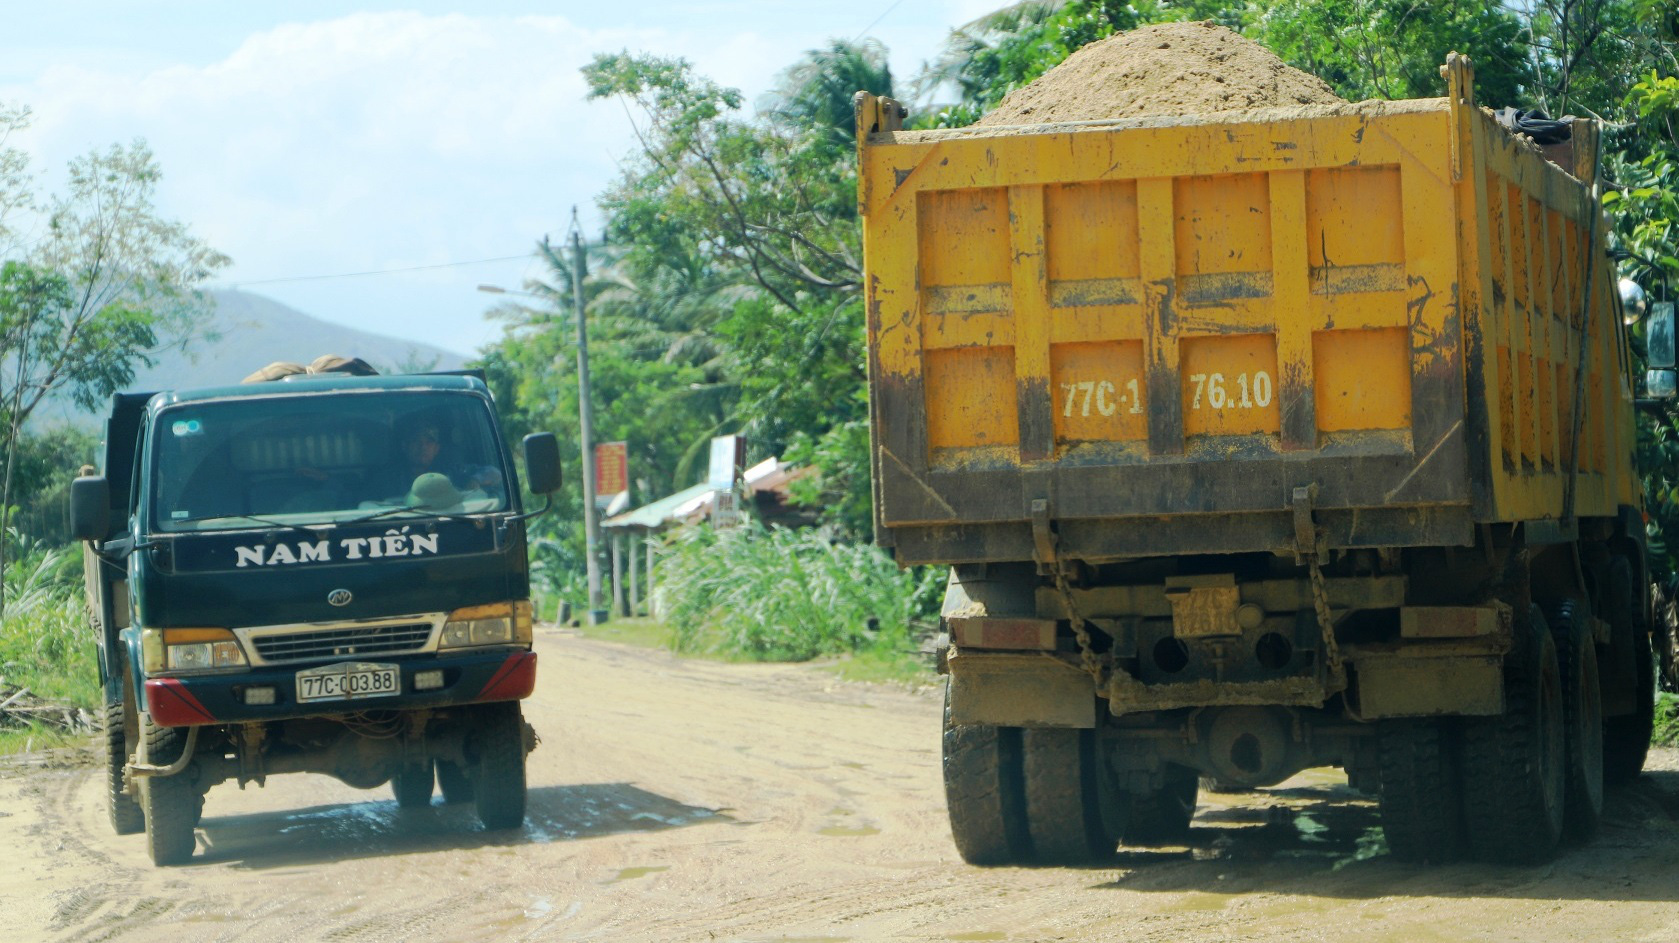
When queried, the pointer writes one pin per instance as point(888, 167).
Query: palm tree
point(958, 64)
point(816, 91)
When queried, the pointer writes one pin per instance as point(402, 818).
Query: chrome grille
point(330, 643)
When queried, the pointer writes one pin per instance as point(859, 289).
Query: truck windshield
point(319, 459)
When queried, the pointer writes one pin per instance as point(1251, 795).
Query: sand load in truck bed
point(1166, 69)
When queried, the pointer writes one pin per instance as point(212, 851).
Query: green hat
point(433, 492)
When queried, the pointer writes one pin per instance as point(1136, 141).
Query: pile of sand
point(1165, 69)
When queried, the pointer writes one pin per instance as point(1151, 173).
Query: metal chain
point(1326, 619)
point(1093, 664)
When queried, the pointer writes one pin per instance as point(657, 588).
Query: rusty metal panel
point(1019, 691)
point(1428, 687)
point(1447, 622)
point(1018, 634)
point(1162, 317)
point(1139, 320)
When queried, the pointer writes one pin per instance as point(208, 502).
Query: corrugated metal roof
point(661, 512)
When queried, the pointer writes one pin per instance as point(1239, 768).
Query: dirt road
point(678, 800)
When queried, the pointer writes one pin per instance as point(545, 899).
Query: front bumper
point(493, 675)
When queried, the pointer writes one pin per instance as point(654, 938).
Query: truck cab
point(321, 574)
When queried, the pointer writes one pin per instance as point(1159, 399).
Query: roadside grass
point(639, 631)
point(759, 594)
point(37, 737)
point(875, 665)
point(46, 647)
point(1667, 721)
point(884, 666)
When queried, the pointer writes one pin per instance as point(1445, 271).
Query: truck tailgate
point(1174, 321)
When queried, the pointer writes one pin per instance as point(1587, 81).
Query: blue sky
point(316, 138)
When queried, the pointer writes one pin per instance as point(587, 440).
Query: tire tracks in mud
point(677, 801)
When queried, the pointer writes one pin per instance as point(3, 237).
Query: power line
point(877, 20)
point(387, 271)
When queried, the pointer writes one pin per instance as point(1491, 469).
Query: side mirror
point(1658, 336)
point(1658, 346)
point(90, 508)
point(542, 463)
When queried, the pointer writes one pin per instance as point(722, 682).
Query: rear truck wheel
point(983, 791)
point(1162, 816)
point(452, 781)
point(120, 742)
point(171, 804)
point(1063, 804)
point(412, 785)
point(499, 789)
point(1626, 737)
point(1422, 814)
point(1582, 709)
point(1513, 765)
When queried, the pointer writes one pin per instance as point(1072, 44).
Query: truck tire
point(452, 781)
point(412, 786)
point(983, 791)
point(1162, 816)
point(120, 741)
point(171, 804)
point(1626, 737)
point(1063, 808)
point(1582, 700)
point(1422, 814)
point(1513, 765)
point(499, 789)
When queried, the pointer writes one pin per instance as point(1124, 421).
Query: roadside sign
point(728, 457)
point(612, 469)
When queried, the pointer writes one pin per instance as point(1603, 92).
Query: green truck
point(322, 574)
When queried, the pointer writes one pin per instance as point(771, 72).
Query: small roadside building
point(765, 487)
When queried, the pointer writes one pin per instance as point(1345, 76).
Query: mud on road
point(681, 800)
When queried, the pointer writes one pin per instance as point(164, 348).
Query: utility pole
point(591, 522)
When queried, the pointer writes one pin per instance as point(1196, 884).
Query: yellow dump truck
point(1261, 442)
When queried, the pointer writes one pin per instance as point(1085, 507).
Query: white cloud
point(387, 140)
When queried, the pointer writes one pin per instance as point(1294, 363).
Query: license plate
point(1202, 611)
point(347, 682)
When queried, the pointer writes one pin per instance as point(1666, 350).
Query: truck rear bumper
point(500, 675)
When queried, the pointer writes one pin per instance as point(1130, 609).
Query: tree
point(815, 93)
point(109, 283)
point(746, 232)
point(1393, 48)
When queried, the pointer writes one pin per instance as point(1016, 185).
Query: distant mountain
point(252, 331)
point(255, 331)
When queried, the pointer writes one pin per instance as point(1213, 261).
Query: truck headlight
point(191, 650)
point(506, 623)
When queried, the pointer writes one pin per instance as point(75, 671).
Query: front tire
point(121, 740)
point(1514, 764)
point(170, 803)
point(453, 782)
point(1582, 699)
point(413, 786)
point(500, 781)
point(1626, 737)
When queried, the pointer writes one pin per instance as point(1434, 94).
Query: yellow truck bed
point(1140, 337)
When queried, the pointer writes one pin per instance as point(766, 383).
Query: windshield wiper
point(405, 509)
point(301, 528)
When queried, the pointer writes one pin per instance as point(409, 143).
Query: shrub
point(785, 595)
